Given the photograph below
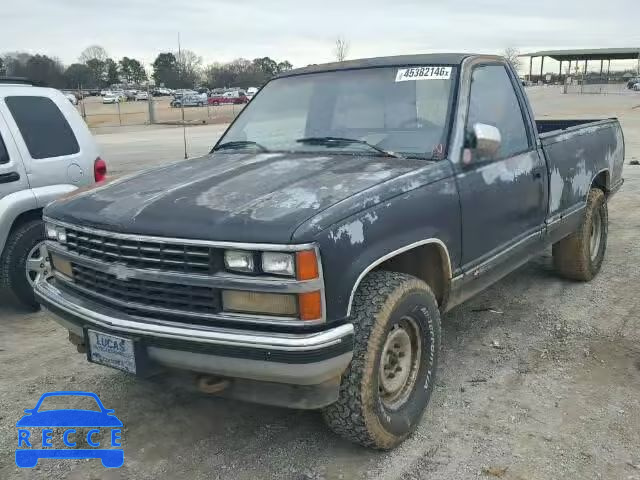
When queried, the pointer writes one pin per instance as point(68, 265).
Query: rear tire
point(13, 264)
point(387, 386)
point(579, 256)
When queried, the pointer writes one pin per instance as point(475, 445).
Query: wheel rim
point(38, 264)
point(596, 233)
point(400, 363)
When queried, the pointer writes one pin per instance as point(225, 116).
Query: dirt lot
point(137, 113)
point(539, 379)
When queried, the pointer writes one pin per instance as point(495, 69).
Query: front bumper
point(289, 358)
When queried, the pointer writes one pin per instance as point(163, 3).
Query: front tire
point(24, 261)
point(579, 256)
point(387, 386)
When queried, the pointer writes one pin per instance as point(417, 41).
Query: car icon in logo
point(32, 447)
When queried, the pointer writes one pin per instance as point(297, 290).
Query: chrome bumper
point(291, 358)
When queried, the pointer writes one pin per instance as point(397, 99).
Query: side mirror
point(485, 139)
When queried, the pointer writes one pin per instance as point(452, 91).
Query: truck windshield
point(374, 110)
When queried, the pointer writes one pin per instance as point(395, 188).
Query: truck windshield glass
point(368, 107)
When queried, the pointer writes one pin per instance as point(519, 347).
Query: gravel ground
point(539, 379)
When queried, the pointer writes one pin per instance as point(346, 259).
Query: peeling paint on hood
point(222, 196)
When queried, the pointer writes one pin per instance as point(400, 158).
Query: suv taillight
point(99, 170)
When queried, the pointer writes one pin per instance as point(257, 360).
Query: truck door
point(503, 197)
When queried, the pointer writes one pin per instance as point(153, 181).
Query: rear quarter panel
point(55, 171)
point(575, 157)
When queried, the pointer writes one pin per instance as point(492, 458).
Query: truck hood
point(229, 196)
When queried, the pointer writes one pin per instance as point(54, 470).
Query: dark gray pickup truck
point(308, 259)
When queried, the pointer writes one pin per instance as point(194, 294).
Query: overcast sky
point(303, 31)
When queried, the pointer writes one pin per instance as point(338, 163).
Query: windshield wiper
point(336, 141)
point(240, 144)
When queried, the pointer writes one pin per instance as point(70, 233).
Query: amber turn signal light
point(310, 305)
point(306, 265)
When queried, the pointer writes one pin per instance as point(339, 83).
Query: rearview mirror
point(485, 139)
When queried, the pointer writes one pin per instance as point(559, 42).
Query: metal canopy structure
point(584, 55)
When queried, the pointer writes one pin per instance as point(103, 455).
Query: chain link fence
point(157, 110)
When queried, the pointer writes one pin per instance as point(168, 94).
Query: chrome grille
point(141, 297)
point(143, 254)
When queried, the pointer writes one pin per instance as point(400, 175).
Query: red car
point(233, 97)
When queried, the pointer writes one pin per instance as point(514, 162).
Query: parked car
point(161, 92)
point(307, 260)
point(130, 94)
point(114, 97)
point(633, 82)
point(189, 100)
point(231, 97)
point(141, 95)
point(183, 91)
point(46, 151)
point(636, 87)
point(251, 91)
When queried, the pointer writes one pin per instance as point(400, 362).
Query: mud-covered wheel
point(387, 386)
point(579, 256)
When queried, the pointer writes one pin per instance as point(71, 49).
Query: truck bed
point(577, 151)
point(554, 126)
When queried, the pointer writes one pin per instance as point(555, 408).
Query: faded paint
point(581, 180)
point(556, 187)
point(508, 170)
point(353, 231)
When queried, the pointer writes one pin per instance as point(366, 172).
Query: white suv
point(46, 151)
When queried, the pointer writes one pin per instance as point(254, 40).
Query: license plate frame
point(102, 349)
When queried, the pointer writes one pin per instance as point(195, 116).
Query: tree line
point(182, 69)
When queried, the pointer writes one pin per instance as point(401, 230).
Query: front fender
point(354, 246)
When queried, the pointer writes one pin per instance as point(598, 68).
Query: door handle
point(536, 173)
point(9, 177)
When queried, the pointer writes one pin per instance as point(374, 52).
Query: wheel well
point(601, 181)
point(25, 217)
point(429, 262)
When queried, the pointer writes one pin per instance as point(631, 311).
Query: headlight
point(62, 235)
point(278, 263)
point(51, 232)
point(55, 233)
point(239, 261)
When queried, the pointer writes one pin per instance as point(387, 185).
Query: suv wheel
point(25, 261)
point(387, 386)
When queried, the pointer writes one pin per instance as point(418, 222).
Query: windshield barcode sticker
point(423, 73)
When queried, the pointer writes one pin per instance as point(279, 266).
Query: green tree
point(79, 75)
point(45, 70)
point(244, 73)
point(3, 68)
point(284, 66)
point(97, 69)
point(266, 65)
point(165, 70)
point(111, 75)
point(132, 70)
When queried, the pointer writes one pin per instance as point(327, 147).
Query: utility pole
point(184, 127)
